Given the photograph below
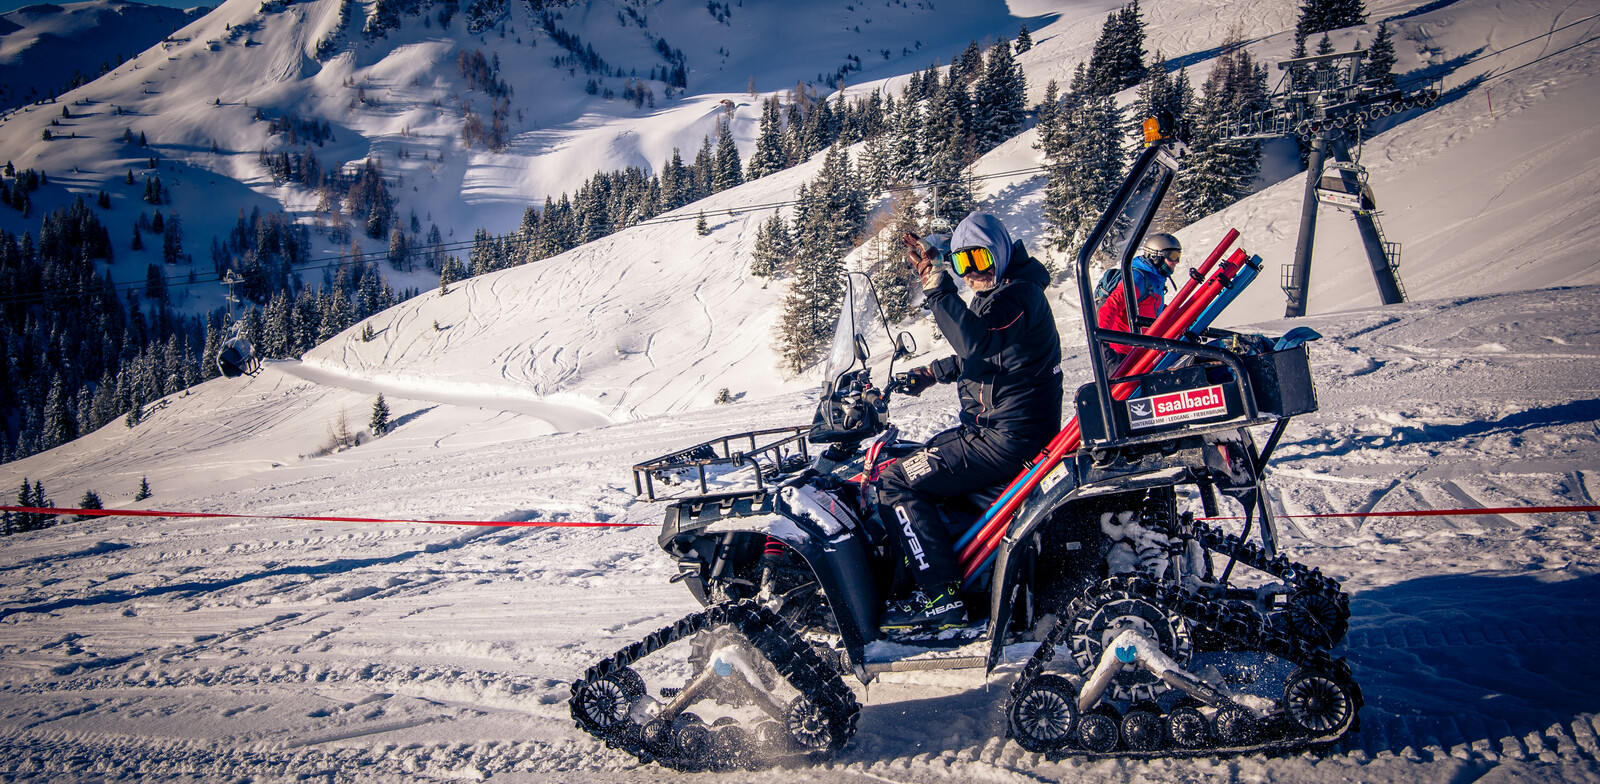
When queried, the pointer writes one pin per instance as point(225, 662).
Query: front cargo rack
point(721, 468)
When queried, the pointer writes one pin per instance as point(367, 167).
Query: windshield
point(1124, 227)
point(861, 329)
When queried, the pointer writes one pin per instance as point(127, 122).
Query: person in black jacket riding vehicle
point(1007, 371)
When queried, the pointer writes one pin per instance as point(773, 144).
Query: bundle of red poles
point(977, 547)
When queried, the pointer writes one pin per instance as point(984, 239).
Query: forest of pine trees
point(1320, 16)
point(1083, 133)
point(80, 352)
point(931, 133)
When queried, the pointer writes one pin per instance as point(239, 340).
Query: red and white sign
point(1172, 407)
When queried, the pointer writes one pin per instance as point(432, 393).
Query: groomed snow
point(271, 649)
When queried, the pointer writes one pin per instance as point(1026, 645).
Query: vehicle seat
point(962, 511)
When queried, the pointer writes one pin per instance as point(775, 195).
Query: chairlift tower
point(1326, 101)
point(236, 356)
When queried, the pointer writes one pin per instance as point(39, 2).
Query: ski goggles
point(972, 260)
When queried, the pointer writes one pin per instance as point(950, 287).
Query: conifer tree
point(155, 284)
point(90, 500)
point(277, 328)
point(208, 355)
point(1379, 68)
point(826, 230)
point(1084, 166)
point(1319, 16)
point(144, 489)
point(1299, 75)
point(702, 170)
point(873, 165)
point(892, 276)
point(24, 520)
point(1117, 61)
point(1160, 93)
point(1000, 98)
point(1024, 40)
point(60, 422)
point(768, 157)
point(905, 122)
point(700, 226)
point(773, 247)
point(172, 240)
point(727, 167)
point(947, 149)
point(1219, 171)
point(380, 416)
point(1048, 112)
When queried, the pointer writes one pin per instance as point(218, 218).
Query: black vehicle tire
point(606, 702)
point(1235, 726)
point(1187, 727)
point(1316, 702)
point(1043, 716)
point(692, 738)
point(657, 737)
point(1143, 730)
point(730, 746)
point(631, 682)
point(772, 738)
point(808, 725)
point(1099, 731)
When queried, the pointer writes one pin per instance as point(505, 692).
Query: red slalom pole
point(1070, 437)
point(1069, 432)
point(1180, 301)
point(1199, 275)
point(1142, 359)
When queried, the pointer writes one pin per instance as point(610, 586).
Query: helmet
point(1156, 243)
point(1160, 250)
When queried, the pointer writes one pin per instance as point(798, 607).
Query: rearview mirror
point(904, 345)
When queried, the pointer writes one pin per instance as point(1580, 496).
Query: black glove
point(913, 381)
point(926, 260)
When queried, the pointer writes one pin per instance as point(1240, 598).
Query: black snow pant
point(954, 463)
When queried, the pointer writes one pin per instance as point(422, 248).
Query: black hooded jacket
point(1007, 364)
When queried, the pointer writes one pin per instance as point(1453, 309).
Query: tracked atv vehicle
point(1142, 629)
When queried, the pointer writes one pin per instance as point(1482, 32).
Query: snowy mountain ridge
point(44, 46)
point(275, 649)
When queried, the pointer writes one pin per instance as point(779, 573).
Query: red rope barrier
point(1497, 510)
point(158, 513)
point(1436, 512)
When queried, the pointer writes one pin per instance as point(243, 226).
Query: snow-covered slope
point(1480, 204)
point(42, 46)
point(274, 649)
point(401, 99)
point(181, 648)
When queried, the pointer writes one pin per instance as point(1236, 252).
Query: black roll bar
point(1153, 156)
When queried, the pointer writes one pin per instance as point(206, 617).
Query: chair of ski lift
point(238, 358)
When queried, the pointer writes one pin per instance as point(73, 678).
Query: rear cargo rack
point(725, 461)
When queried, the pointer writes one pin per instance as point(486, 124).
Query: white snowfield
point(267, 649)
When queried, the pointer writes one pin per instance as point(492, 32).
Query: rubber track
point(1302, 577)
point(815, 678)
point(1245, 629)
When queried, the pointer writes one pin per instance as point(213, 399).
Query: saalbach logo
point(1181, 406)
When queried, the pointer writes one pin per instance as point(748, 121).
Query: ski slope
point(271, 649)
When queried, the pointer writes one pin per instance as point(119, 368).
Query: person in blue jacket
point(1007, 370)
point(1152, 268)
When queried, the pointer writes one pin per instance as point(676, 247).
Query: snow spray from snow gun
point(1191, 310)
